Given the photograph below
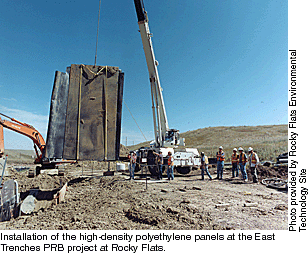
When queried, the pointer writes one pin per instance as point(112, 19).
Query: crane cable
point(135, 120)
point(99, 13)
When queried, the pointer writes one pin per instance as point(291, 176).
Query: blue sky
point(221, 63)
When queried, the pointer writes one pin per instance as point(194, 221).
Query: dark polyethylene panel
point(85, 117)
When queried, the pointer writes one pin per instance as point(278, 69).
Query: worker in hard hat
point(170, 174)
point(242, 160)
point(133, 160)
point(204, 166)
point(253, 164)
point(234, 162)
point(160, 162)
point(220, 162)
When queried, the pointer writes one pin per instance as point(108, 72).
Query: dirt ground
point(94, 201)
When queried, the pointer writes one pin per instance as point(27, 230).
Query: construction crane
point(166, 139)
point(1, 141)
point(35, 136)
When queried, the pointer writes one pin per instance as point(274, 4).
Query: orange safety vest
point(242, 157)
point(234, 158)
point(253, 158)
point(220, 158)
point(170, 160)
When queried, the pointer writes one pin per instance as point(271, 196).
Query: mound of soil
point(273, 172)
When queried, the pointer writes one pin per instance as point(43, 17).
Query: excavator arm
point(24, 129)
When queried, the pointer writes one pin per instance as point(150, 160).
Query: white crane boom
point(164, 137)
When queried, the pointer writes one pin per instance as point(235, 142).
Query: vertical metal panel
point(119, 114)
point(111, 87)
point(91, 138)
point(8, 191)
point(57, 115)
point(93, 121)
point(85, 114)
point(70, 141)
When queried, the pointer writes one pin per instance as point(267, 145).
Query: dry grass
point(268, 141)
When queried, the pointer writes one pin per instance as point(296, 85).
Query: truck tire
point(183, 170)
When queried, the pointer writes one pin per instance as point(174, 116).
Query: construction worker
point(220, 162)
point(234, 161)
point(253, 164)
point(242, 160)
point(204, 166)
point(160, 161)
point(133, 159)
point(170, 174)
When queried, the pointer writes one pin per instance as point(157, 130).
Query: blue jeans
point(243, 170)
point(234, 170)
point(160, 172)
point(132, 170)
point(170, 172)
point(205, 168)
point(220, 168)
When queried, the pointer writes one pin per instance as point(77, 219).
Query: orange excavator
point(34, 135)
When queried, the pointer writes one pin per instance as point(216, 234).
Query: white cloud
point(17, 141)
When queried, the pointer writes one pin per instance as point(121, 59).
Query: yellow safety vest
point(242, 157)
point(234, 158)
point(253, 158)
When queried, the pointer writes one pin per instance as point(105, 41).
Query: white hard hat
point(250, 149)
point(221, 147)
point(202, 153)
point(240, 149)
point(234, 149)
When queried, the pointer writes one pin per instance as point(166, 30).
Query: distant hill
point(17, 155)
point(268, 141)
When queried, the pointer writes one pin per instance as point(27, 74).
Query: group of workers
point(160, 162)
point(238, 160)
